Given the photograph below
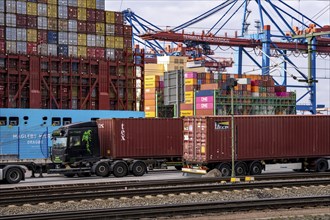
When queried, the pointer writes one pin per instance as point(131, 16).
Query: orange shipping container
point(149, 102)
point(148, 108)
point(150, 96)
point(211, 86)
point(150, 90)
point(204, 112)
point(184, 106)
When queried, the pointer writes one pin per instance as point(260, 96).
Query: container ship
point(63, 61)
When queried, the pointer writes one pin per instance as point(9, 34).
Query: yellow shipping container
point(100, 28)
point(151, 78)
point(54, 2)
point(119, 42)
point(150, 114)
point(110, 42)
point(150, 84)
point(190, 82)
point(185, 113)
point(52, 11)
point(82, 51)
point(189, 100)
point(82, 4)
point(91, 4)
point(110, 17)
point(82, 39)
point(189, 94)
point(31, 8)
point(82, 14)
point(32, 35)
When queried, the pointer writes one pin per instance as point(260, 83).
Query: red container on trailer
point(140, 138)
point(208, 139)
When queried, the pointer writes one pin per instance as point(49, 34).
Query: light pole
point(232, 84)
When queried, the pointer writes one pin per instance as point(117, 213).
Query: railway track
point(77, 193)
point(182, 209)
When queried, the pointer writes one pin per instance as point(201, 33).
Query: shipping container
point(271, 139)
point(62, 25)
point(63, 12)
point(73, 13)
point(156, 138)
point(32, 21)
point(11, 20)
point(21, 8)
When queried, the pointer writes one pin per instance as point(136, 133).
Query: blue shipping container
point(63, 50)
point(52, 37)
point(204, 93)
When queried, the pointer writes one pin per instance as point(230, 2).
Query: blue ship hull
point(25, 133)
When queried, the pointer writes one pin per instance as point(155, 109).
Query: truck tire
point(255, 168)
point(14, 175)
point(120, 169)
point(138, 168)
point(240, 169)
point(102, 169)
point(321, 165)
point(224, 169)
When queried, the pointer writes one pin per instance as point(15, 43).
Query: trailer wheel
point(321, 165)
point(255, 168)
point(102, 169)
point(224, 169)
point(120, 169)
point(240, 169)
point(138, 168)
point(14, 175)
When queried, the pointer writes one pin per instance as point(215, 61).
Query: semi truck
point(117, 146)
point(298, 142)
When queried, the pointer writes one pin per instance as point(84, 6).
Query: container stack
point(72, 49)
point(204, 102)
point(151, 91)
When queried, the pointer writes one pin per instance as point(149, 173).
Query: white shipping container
point(21, 8)
point(42, 10)
point(110, 29)
point(42, 23)
point(11, 20)
point(63, 37)
point(2, 18)
point(91, 40)
point(73, 3)
point(62, 2)
point(21, 34)
point(63, 12)
point(2, 6)
point(21, 47)
point(100, 41)
point(72, 25)
point(43, 49)
point(52, 49)
point(100, 4)
point(73, 51)
point(110, 54)
point(73, 38)
point(11, 6)
point(11, 34)
point(11, 46)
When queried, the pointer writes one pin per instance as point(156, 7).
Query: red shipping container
point(204, 112)
point(31, 21)
point(42, 36)
point(2, 47)
point(186, 106)
point(100, 53)
point(21, 21)
point(91, 27)
point(2, 33)
point(99, 15)
point(127, 30)
point(90, 14)
point(81, 26)
point(119, 30)
point(91, 51)
point(126, 138)
point(257, 138)
point(119, 18)
point(72, 12)
point(32, 48)
point(128, 43)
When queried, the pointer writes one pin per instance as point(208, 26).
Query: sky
point(167, 14)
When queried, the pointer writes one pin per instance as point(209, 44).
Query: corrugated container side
point(100, 41)
point(11, 34)
point(42, 36)
point(11, 20)
point(52, 24)
point(32, 48)
point(82, 14)
point(10, 6)
point(21, 8)
point(72, 25)
point(82, 27)
point(90, 14)
point(21, 34)
point(21, 21)
point(100, 4)
point(52, 49)
point(73, 3)
point(82, 3)
point(91, 27)
point(2, 6)
point(2, 33)
point(119, 18)
point(52, 37)
point(82, 40)
point(73, 51)
point(52, 11)
point(2, 18)
point(32, 35)
point(63, 37)
point(2, 47)
point(62, 2)
point(82, 51)
point(100, 52)
point(91, 40)
point(32, 8)
point(140, 138)
point(110, 17)
point(110, 54)
point(43, 49)
point(63, 50)
point(72, 13)
point(42, 10)
point(99, 16)
point(43, 23)
point(54, 2)
point(91, 4)
point(110, 29)
point(63, 12)
point(32, 21)
point(73, 38)
point(11, 46)
point(262, 137)
point(100, 28)
point(21, 47)
point(62, 25)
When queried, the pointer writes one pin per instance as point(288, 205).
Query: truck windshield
point(59, 142)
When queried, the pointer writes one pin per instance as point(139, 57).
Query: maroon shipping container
point(2, 33)
point(119, 18)
point(2, 47)
point(119, 30)
point(90, 14)
point(32, 48)
point(140, 138)
point(208, 139)
point(21, 21)
point(72, 12)
point(42, 36)
point(81, 26)
point(91, 27)
point(91, 51)
point(32, 21)
point(99, 15)
point(100, 53)
point(128, 31)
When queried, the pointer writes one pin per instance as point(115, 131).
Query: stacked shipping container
point(66, 54)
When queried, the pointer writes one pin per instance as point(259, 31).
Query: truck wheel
point(224, 169)
point(321, 165)
point(138, 168)
point(120, 169)
point(240, 169)
point(102, 169)
point(14, 175)
point(255, 168)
